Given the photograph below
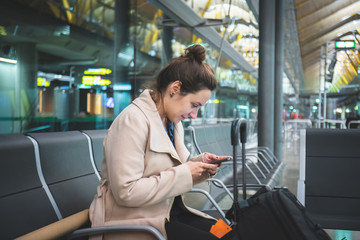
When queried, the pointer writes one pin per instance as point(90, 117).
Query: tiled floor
point(291, 157)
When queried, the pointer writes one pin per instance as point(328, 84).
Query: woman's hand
point(199, 168)
point(210, 158)
point(204, 164)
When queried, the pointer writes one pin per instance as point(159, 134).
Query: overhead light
point(7, 60)
point(98, 71)
point(42, 82)
point(95, 80)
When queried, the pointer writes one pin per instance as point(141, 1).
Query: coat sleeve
point(125, 149)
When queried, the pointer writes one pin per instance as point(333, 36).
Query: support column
point(266, 73)
point(122, 95)
point(167, 36)
point(25, 85)
point(279, 69)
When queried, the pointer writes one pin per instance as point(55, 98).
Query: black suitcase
point(268, 214)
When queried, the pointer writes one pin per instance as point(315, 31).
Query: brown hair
point(190, 70)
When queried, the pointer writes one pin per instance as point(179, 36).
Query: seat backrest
point(223, 136)
point(67, 169)
point(213, 138)
point(332, 195)
point(24, 205)
point(97, 138)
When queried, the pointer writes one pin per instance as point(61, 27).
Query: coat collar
point(158, 138)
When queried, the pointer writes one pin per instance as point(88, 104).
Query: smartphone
point(221, 160)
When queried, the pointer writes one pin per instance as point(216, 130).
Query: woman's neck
point(159, 106)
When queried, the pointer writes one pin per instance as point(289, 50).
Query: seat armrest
point(60, 228)
point(116, 228)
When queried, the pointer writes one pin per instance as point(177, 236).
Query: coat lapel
point(158, 138)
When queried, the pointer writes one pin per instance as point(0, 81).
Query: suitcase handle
point(238, 127)
point(243, 155)
point(235, 132)
point(243, 132)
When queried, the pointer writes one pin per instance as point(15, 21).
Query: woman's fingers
point(209, 157)
point(211, 168)
point(198, 168)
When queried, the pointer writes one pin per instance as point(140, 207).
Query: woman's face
point(181, 107)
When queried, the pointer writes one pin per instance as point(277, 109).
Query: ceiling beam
point(331, 28)
point(322, 26)
point(189, 18)
point(330, 35)
point(314, 11)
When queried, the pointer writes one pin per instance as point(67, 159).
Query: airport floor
point(291, 157)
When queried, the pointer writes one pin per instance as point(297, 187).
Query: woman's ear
point(175, 87)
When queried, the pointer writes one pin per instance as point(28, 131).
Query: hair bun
point(196, 52)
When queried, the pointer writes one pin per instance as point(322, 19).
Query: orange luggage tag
point(220, 228)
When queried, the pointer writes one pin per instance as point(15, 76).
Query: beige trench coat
point(142, 172)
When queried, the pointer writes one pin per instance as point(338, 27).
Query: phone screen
point(221, 160)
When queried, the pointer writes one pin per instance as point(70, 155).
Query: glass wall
point(74, 65)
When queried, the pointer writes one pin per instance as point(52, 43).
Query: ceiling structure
point(204, 29)
point(309, 26)
point(319, 23)
point(311, 29)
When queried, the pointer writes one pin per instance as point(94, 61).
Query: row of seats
point(48, 181)
point(46, 177)
point(262, 167)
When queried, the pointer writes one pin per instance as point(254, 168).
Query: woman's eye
point(195, 105)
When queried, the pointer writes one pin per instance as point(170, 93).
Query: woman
point(145, 168)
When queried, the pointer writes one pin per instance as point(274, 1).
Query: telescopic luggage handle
point(243, 155)
point(235, 132)
point(238, 131)
point(243, 132)
point(235, 143)
point(238, 127)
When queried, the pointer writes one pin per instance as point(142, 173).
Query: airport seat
point(24, 205)
point(222, 136)
point(97, 137)
point(332, 193)
point(263, 168)
point(213, 138)
point(67, 169)
point(48, 181)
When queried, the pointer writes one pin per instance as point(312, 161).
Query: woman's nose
point(193, 114)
